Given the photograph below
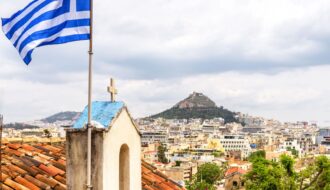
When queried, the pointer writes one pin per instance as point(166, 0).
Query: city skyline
point(265, 59)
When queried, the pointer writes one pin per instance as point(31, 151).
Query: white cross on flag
point(47, 22)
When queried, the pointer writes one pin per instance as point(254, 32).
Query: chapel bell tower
point(116, 148)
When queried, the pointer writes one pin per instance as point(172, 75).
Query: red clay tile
point(36, 182)
point(61, 172)
point(41, 160)
point(50, 171)
point(15, 185)
point(44, 167)
point(3, 177)
point(58, 165)
point(45, 156)
point(17, 169)
point(14, 146)
point(26, 183)
point(51, 182)
point(13, 152)
point(29, 148)
point(30, 170)
point(60, 179)
point(5, 187)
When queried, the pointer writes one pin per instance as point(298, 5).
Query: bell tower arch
point(124, 168)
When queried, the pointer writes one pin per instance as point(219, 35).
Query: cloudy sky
point(265, 58)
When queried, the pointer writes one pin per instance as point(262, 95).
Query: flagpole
point(89, 124)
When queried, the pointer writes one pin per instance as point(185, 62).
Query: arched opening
point(124, 175)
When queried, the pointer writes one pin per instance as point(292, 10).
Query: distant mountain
point(62, 116)
point(196, 100)
point(18, 126)
point(197, 105)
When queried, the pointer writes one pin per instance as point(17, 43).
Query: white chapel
point(116, 149)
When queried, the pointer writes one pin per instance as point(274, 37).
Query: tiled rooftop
point(33, 167)
point(152, 179)
point(234, 170)
point(43, 166)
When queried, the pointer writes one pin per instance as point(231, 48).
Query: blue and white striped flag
point(47, 22)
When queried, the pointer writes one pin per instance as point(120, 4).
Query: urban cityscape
point(164, 95)
point(191, 135)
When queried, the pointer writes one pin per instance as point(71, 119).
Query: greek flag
point(47, 22)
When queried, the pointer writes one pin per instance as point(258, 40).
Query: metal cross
point(112, 90)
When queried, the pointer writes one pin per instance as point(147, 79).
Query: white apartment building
point(291, 144)
point(175, 130)
point(236, 143)
point(152, 137)
point(210, 129)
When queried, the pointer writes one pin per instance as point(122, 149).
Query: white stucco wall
point(122, 132)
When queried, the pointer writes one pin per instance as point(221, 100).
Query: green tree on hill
point(47, 133)
point(270, 175)
point(206, 177)
point(161, 154)
point(257, 154)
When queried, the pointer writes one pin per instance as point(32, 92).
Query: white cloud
point(298, 94)
point(262, 57)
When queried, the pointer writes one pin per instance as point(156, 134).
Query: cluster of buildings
point(191, 142)
point(55, 131)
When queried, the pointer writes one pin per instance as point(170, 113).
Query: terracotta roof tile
point(14, 146)
point(44, 156)
point(32, 161)
point(37, 182)
point(152, 179)
point(41, 160)
point(41, 148)
point(61, 161)
point(15, 185)
point(47, 180)
point(30, 148)
point(60, 179)
point(49, 170)
point(42, 166)
point(5, 187)
point(17, 169)
point(26, 183)
point(58, 165)
point(234, 170)
point(26, 168)
point(13, 152)
point(4, 177)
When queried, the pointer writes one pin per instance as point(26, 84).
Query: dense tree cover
point(206, 177)
point(161, 154)
point(203, 113)
point(257, 154)
point(293, 151)
point(199, 185)
point(270, 175)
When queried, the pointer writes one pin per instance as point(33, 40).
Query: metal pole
point(89, 124)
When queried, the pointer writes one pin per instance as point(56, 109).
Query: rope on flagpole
point(89, 124)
